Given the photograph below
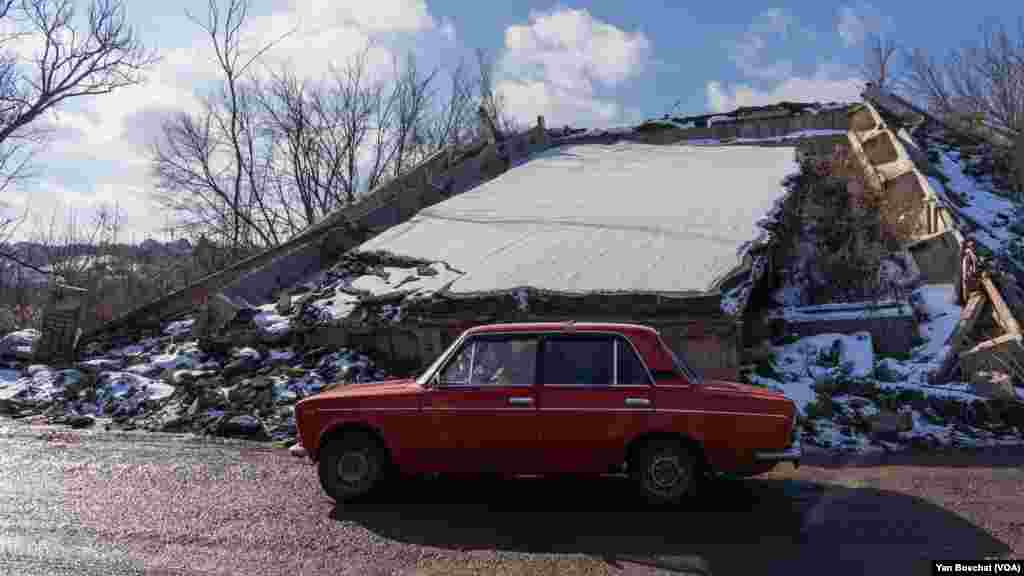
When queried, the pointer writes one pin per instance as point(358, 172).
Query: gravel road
point(95, 502)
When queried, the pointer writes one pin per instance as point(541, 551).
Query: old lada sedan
point(549, 398)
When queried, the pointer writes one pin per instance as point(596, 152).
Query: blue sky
point(589, 64)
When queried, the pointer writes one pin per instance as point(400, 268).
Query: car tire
point(665, 471)
point(352, 466)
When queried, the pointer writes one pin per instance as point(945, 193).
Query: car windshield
point(422, 380)
point(681, 364)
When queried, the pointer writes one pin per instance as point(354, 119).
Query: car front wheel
point(351, 466)
point(665, 471)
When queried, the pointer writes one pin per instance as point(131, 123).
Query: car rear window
point(631, 369)
point(578, 360)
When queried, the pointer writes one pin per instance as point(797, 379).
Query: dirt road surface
point(95, 502)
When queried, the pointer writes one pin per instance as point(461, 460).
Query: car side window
point(493, 361)
point(579, 360)
point(631, 369)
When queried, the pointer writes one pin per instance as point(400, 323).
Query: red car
point(549, 398)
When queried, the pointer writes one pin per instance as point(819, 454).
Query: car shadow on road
point(735, 526)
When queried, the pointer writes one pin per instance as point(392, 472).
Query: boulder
point(218, 313)
point(240, 366)
point(20, 344)
point(993, 384)
point(891, 370)
point(97, 365)
point(284, 304)
point(886, 425)
point(79, 421)
point(242, 426)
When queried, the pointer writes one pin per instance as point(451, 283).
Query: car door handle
point(637, 402)
point(520, 400)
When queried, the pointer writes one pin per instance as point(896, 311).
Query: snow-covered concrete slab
point(607, 218)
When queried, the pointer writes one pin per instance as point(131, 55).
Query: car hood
point(737, 389)
point(371, 389)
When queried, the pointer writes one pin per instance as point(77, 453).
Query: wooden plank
point(968, 318)
point(960, 336)
point(1003, 314)
point(989, 344)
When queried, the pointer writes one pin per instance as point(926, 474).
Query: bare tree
point(354, 102)
point(980, 84)
point(492, 101)
point(412, 95)
point(271, 154)
point(879, 53)
point(70, 61)
point(214, 158)
point(453, 121)
point(979, 87)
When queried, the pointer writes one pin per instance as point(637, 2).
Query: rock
point(174, 424)
point(97, 365)
point(20, 344)
point(259, 382)
point(1013, 414)
point(80, 421)
point(994, 384)
point(210, 398)
point(246, 426)
point(891, 370)
point(828, 386)
point(239, 367)
point(887, 424)
point(980, 413)
point(284, 304)
point(209, 382)
point(144, 369)
point(218, 313)
point(180, 327)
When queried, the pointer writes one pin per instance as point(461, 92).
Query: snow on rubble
point(166, 383)
point(852, 399)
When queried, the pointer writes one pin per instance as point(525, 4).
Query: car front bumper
point(792, 453)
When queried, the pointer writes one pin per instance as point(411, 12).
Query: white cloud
point(856, 22)
point(747, 53)
point(826, 85)
point(105, 139)
point(556, 65)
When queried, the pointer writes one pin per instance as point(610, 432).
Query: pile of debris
point(169, 382)
point(853, 399)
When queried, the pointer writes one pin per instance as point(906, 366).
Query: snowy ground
point(841, 387)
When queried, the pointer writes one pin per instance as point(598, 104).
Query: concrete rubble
point(852, 399)
point(168, 382)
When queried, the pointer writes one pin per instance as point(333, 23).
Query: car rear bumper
point(792, 453)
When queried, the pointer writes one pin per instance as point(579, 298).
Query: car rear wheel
point(351, 466)
point(665, 471)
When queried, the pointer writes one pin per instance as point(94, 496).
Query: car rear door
point(595, 396)
point(482, 412)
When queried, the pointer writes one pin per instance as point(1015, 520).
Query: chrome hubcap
point(666, 473)
point(353, 467)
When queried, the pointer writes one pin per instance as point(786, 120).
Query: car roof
point(566, 327)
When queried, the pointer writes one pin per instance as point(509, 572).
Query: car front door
point(595, 396)
point(482, 409)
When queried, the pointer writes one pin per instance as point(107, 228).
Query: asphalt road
point(104, 503)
